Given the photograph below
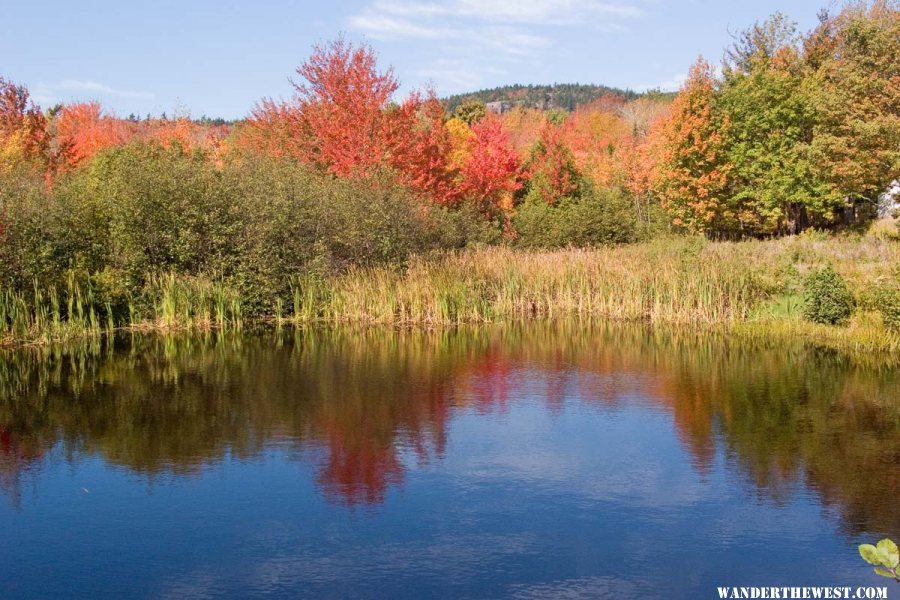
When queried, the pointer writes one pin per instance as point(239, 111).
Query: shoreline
point(860, 345)
point(747, 289)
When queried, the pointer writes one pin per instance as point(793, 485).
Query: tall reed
point(54, 313)
point(59, 313)
point(749, 288)
point(189, 302)
point(501, 284)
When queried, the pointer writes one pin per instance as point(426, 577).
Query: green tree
point(470, 112)
point(853, 62)
point(774, 184)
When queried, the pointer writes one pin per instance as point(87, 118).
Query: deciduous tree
point(855, 87)
point(489, 176)
point(82, 130)
point(23, 128)
point(692, 181)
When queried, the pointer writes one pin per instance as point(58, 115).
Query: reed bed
point(73, 310)
point(44, 315)
point(189, 303)
point(744, 288)
point(502, 284)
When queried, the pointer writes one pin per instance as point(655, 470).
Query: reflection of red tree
point(489, 380)
point(372, 408)
point(16, 457)
point(359, 470)
point(13, 447)
point(365, 440)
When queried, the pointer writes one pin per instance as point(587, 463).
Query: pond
point(541, 460)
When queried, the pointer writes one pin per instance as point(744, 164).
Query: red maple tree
point(489, 176)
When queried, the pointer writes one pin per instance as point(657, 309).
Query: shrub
point(885, 229)
point(598, 218)
point(887, 302)
point(26, 246)
point(826, 297)
point(461, 227)
point(142, 209)
point(300, 222)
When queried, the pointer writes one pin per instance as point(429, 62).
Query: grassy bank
point(751, 288)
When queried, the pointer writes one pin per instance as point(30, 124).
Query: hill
point(565, 96)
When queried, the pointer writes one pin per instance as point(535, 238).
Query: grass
point(74, 311)
point(189, 303)
point(748, 289)
point(48, 315)
point(504, 284)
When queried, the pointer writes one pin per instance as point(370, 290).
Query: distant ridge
point(563, 96)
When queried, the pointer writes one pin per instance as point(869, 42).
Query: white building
point(889, 201)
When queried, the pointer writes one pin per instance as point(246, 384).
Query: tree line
point(792, 131)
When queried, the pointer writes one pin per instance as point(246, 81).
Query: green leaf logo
point(885, 557)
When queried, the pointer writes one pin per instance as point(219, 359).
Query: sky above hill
point(218, 57)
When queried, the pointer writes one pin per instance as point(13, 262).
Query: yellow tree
point(23, 128)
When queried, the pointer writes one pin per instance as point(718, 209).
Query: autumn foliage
point(692, 173)
point(489, 174)
point(23, 128)
point(791, 132)
point(82, 130)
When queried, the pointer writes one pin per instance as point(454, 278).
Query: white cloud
point(44, 99)
point(535, 12)
point(455, 76)
point(504, 38)
point(93, 87)
point(513, 41)
point(487, 34)
point(383, 26)
point(672, 84)
point(499, 24)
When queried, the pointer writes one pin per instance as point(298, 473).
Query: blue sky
point(219, 57)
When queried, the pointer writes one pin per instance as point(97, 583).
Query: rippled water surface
point(541, 461)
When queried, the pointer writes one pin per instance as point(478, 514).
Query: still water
point(539, 461)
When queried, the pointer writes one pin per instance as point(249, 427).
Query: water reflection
point(357, 404)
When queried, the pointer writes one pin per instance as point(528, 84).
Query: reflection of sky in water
point(572, 485)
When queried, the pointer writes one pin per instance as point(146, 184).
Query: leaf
point(889, 552)
point(885, 573)
point(870, 554)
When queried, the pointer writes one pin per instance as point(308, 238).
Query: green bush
point(301, 223)
point(27, 251)
point(137, 212)
point(826, 297)
point(887, 302)
point(461, 227)
point(597, 218)
point(154, 209)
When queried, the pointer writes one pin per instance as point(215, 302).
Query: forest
point(347, 200)
point(561, 96)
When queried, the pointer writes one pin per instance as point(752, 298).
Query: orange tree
point(693, 174)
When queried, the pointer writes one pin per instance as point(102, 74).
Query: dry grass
point(748, 288)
